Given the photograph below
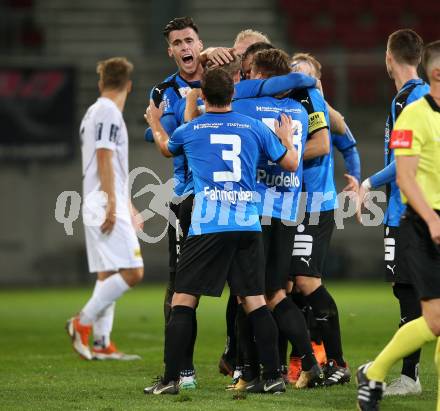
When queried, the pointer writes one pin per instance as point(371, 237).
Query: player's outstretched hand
point(110, 218)
point(220, 56)
point(352, 183)
point(153, 113)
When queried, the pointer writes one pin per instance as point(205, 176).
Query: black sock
point(231, 339)
point(292, 324)
point(410, 309)
point(326, 315)
point(266, 338)
point(167, 301)
point(168, 297)
point(247, 348)
point(178, 336)
point(187, 360)
point(282, 348)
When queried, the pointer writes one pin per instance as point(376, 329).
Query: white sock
point(103, 296)
point(103, 326)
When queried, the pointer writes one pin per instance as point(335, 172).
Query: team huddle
point(251, 137)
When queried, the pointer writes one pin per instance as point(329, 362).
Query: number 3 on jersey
point(234, 141)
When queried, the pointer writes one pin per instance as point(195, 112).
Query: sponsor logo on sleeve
point(401, 139)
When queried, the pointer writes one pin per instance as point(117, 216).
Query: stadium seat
point(362, 85)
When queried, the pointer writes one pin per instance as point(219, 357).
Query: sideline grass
point(39, 371)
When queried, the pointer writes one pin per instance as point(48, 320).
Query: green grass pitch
point(39, 371)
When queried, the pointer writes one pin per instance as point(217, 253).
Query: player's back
point(223, 150)
point(103, 127)
point(270, 175)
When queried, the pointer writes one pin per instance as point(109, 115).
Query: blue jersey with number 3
point(223, 151)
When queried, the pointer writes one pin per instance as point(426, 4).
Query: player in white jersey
point(113, 250)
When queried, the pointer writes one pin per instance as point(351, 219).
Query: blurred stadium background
point(48, 54)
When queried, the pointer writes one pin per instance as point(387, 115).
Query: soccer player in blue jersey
point(312, 238)
point(404, 50)
point(185, 46)
point(225, 241)
point(280, 194)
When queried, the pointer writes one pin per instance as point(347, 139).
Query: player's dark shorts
point(208, 261)
point(395, 270)
point(421, 255)
point(181, 219)
point(278, 246)
point(311, 242)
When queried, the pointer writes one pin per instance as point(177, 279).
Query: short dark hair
point(430, 53)
point(179, 23)
point(406, 46)
point(255, 48)
point(217, 87)
point(274, 62)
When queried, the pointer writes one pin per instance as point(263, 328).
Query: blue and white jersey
point(172, 92)
point(411, 91)
point(223, 150)
point(279, 189)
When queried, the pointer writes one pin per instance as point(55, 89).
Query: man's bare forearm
point(106, 174)
point(318, 145)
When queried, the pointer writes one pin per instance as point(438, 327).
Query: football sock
point(169, 296)
point(178, 336)
point(292, 324)
point(231, 339)
point(103, 325)
point(437, 363)
point(108, 292)
point(410, 309)
point(187, 363)
point(266, 338)
point(282, 348)
point(326, 315)
point(407, 339)
point(247, 348)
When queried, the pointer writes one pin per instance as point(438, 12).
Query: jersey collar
point(411, 82)
point(432, 103)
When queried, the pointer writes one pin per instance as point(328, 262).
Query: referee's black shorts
point(208, 261)
point(311, 243)
point(278, 246)
point(421, 255)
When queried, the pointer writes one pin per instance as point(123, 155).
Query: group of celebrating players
point(251, 137)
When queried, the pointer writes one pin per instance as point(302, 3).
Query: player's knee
point(307, 285)
point(275, 297)
point(133, 276)
point(187, 300)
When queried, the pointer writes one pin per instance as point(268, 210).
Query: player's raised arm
point(191, 109)
point(152, 116)
point(318, 145)
point(337, 123)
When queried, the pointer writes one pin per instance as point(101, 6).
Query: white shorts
point(111, 252)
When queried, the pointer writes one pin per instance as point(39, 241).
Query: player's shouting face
point(185, 47)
